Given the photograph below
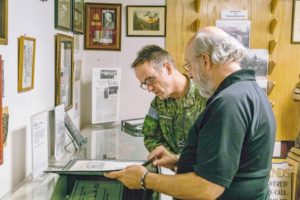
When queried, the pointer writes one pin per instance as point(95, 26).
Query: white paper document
point(105, 94)
point(59, 145)
point(95, 165)
point(39, 132)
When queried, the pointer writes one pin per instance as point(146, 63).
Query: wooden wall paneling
point(180, 27)
point(284, 60)
point(286, 75)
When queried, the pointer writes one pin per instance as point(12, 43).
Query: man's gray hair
point(222, 48)
point(155, 55)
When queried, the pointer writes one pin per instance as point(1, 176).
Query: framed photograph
point(63, 14)
point(3, 21)
point(26, 63)
point(239, 29)
point(78, 16)
point(296, 22)
point(64, 71)
point(1, 131)
point(102, 26)
point(146, 21)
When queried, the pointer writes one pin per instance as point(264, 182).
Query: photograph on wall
point(257, 60)
point(78, 16)
point(63, 14)
point(3, 21)
point(146, 21)
point(26, 63)
point(103, 26)
point(239, 29)
point(64, 71)
point(1, 131)
point(105, 94)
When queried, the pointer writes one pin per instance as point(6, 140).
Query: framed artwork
point(296, 22)
point(5, 119)
point(78, 16)
point(102, 26)
point(1, 131)
point(146, 21)
point(26, 63)
point(63, 14)
point(64, 71)
point(3, 21)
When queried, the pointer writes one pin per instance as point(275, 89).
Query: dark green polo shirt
point(231, 143)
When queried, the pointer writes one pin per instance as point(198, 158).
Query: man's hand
point(130, 176)
point(163, 157)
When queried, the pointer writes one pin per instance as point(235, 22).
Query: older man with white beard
point(229, 150)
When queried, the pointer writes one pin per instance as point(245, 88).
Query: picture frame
point(3, 22)
point(102, 26)
point(1, 131)
point(64, 71)
point(146, 21)
point(78, 16)
point(26, 63)
point(63, 14)
point(295, 38)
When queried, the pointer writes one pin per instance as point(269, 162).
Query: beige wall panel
point(182, 14)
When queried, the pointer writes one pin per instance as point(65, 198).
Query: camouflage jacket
point(168, 121)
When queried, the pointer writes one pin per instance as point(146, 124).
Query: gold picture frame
point(146, 21)
point(26, 63)
point(64, 70)
point(3, 21)
point(296, 22)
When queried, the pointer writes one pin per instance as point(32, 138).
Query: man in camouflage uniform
point(177, 103)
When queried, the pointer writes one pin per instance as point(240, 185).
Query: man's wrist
point(143, 178)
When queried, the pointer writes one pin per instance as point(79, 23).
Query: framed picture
point(63, 14)
point(296, 22)
point(102, 26)
point(78, 16)
point(64, 71)
point(1, 131)
point(3, 21)
point(26, 63)
point(146, 21)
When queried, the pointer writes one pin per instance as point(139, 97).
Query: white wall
point(36, 19)
point(134, 102)
point(32, 18)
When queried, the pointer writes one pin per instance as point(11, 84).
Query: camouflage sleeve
point(151, 130)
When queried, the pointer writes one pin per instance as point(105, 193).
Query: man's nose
point(149, 88)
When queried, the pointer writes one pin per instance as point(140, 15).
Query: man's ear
point(168, 67)
point(207, 62)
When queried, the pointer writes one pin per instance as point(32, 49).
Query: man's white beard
point(204, 86)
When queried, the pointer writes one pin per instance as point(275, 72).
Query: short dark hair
point(154, 55)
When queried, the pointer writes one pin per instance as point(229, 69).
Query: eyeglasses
point(187, 66)
point(148, 81)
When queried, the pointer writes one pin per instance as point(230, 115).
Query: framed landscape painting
point(78, 16)
point(64, 71)
point(26, 63)
point(3, 21)
point(102, 26)
point(146, 21)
